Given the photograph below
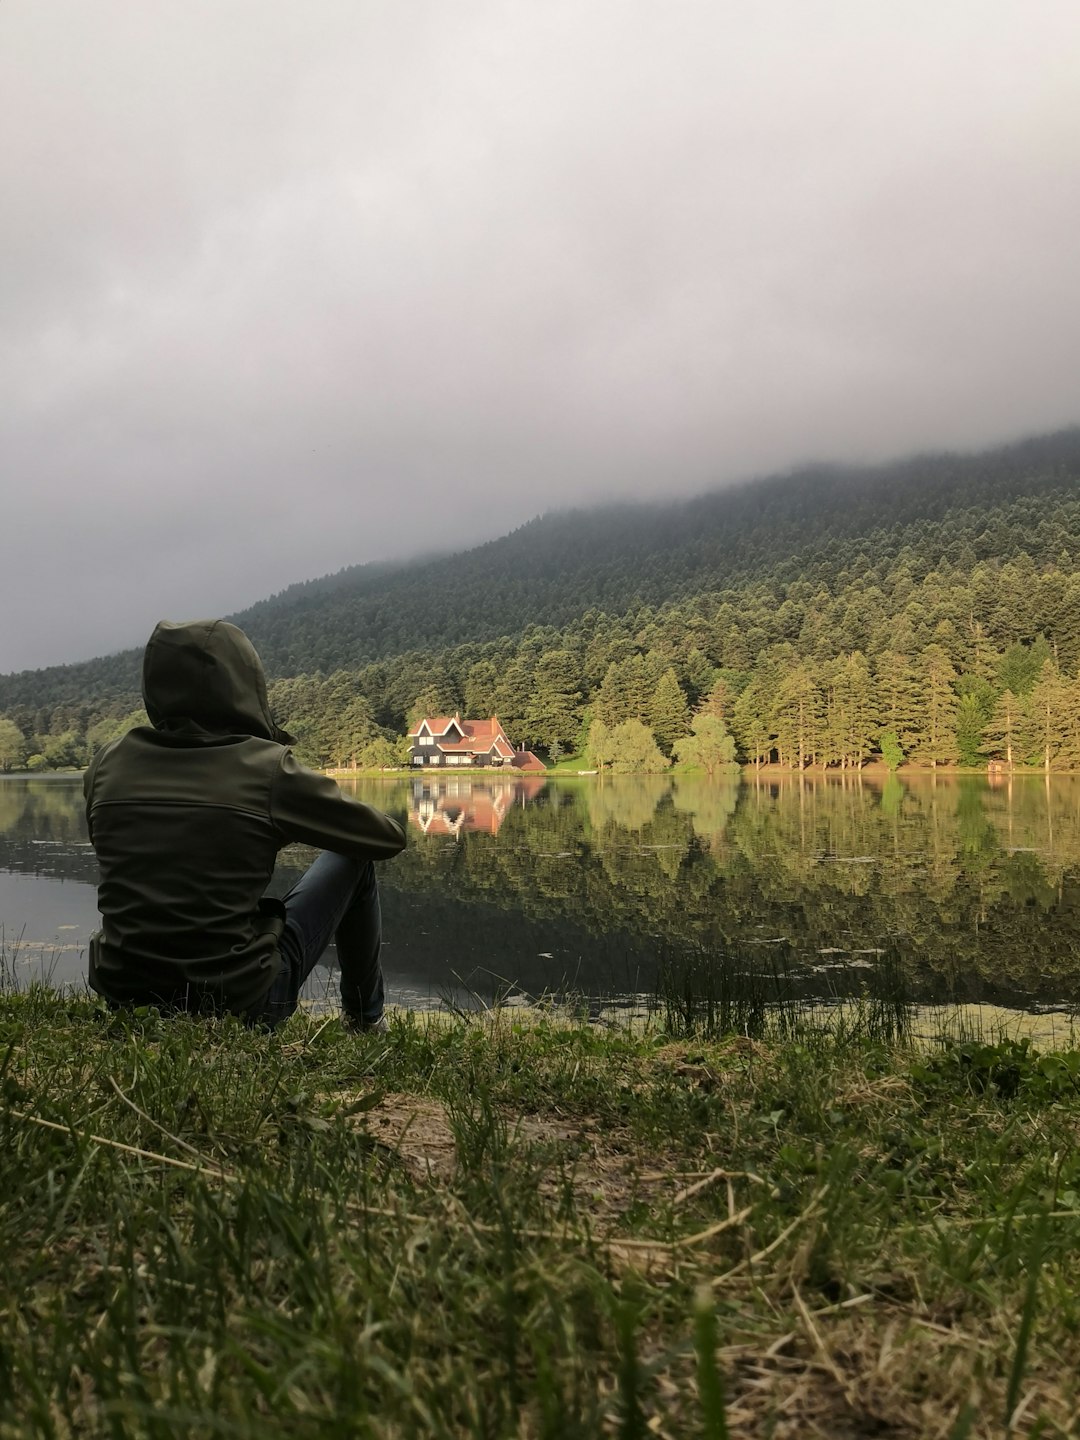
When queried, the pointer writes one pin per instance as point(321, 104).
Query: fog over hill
point(287, 287)
point(806, 526)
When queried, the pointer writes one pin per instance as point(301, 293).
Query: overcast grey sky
point(289, 286)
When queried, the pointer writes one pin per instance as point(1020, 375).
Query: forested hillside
point(929, 610)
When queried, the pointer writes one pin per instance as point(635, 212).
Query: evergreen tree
point(699, 675)
point(1071, 748)
point(851, 714)
point(798, 718)
point(481, 686)
point(669, 714)
point(513, 696)
point(1049, 718)
point(719, 699)
point(934, 738)
point(897, 695)
point(753, 735)
point(976, 705)
point(355, 729)
point(553, 712)
point(622, 694)
point(1003, 730)
point(1021, 665)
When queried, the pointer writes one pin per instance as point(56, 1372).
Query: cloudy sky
point(289, 286)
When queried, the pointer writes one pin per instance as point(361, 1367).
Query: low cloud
point(290, 288)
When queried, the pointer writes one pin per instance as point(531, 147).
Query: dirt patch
point(418, 1133)
point(605, 1176)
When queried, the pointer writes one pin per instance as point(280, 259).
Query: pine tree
point(623, 693)
point(669, 714)
point(355, 729)
point(972, 714)
point(513, 695)
point(1002, 732)
point(850, 722)
point(799, 705)
point(719, 699)
point(896, 689)
point(749, 722)
point(481, 685)
point(1049, 716)
point(553, 711)
point(1021, 665)
point(934, 738)
point(699, 674)
point(1071, 749)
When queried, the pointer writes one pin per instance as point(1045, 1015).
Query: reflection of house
point(450, 807)
point(449, 740)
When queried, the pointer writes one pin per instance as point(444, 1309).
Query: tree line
point(1015, 708)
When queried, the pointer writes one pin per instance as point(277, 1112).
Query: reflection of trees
point(43, 830)
point(975, 884)
point(629, 801)
point(710, 805)
point(941, 865)
point(12, 804)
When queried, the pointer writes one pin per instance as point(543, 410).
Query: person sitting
point(187, 815)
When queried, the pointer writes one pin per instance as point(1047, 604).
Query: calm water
point(533, 885)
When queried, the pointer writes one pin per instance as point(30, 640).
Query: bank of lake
point(533, 1226)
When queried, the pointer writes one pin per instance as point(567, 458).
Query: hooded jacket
point(187, 816)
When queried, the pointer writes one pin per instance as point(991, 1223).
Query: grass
point(520, 1226)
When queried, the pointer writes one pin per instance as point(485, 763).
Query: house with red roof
point(447, 740)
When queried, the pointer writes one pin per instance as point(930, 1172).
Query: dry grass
point(519, 1228)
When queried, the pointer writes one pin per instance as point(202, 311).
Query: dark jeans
point(336, 898)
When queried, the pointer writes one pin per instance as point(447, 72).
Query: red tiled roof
point(479, 735)
point(437, 724)
point(481, 730)
point(526, 760)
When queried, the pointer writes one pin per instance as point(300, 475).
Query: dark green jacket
point(187, 816)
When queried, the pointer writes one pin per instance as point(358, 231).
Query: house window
point(427, 740)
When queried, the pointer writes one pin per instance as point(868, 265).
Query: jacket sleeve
point(88, 787)
point(309, 808)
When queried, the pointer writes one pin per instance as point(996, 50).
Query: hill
point(976, 552)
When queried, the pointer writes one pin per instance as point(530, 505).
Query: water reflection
point(455, 806)
point(973, 883)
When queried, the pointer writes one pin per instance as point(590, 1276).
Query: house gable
point(450, 740)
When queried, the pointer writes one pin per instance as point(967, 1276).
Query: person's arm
point(309, 807)
point(88, 790)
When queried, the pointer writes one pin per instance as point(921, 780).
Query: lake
point(967, 888)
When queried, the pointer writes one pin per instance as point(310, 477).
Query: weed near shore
point(512, 1227)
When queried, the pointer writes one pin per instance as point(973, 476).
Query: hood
point(206, 675)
